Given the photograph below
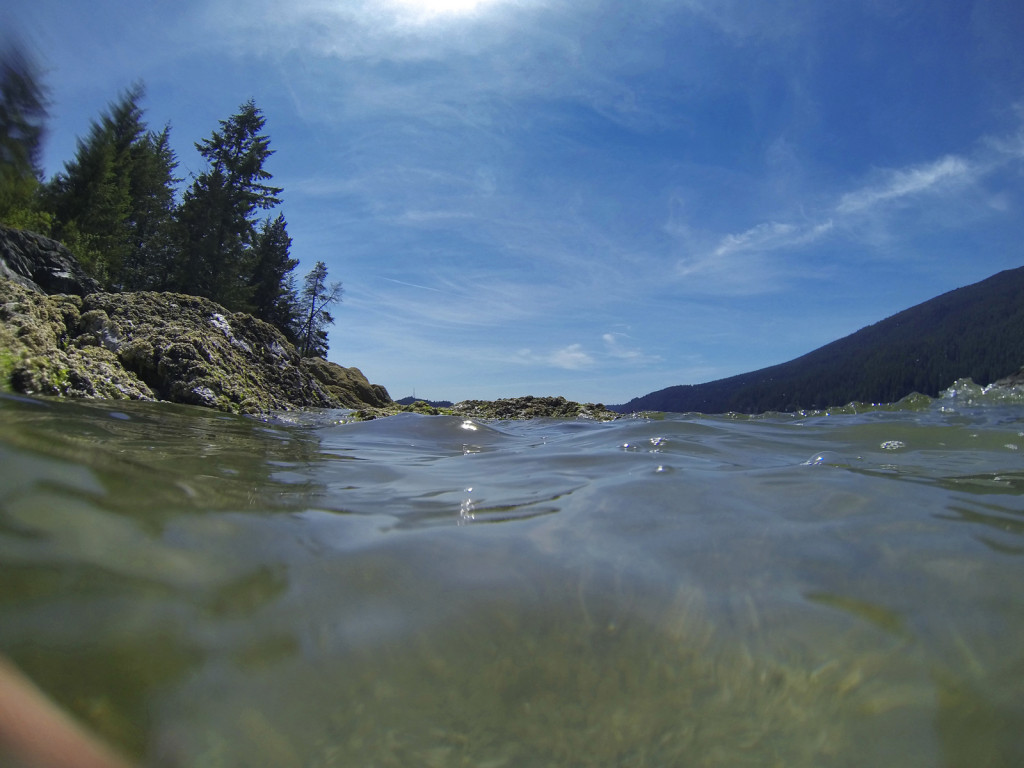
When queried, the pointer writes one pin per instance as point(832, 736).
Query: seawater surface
point(792, 590)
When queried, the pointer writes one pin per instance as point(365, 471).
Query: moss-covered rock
point(513, 408)
point(348, 385)
point(530, 407)
point(164, 346)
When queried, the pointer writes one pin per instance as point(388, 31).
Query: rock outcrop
point(530, 407)
point(507, 409)
point(41, 264)
point(164, 346)
point(60, 336)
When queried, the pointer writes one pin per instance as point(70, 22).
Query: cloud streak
point(943, 176)
point(742, 262)
point(617, 346)
point(570, 358)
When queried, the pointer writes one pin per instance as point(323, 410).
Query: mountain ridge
point(976, 331)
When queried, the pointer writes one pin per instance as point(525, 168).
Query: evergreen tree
point(91, 197)
point(217, 214)
point(23, 112)
point(112, 204)
point(273, 297)
point(316, 297)
point(149, 261)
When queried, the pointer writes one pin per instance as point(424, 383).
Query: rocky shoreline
point(164, 346)
point(59, 336)
point(506, 409)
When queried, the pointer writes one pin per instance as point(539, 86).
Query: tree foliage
point(116, 205)
point(273, 287)
point(112, 203)
point(316, 297)
point(149, 259)
point(23, 112)
point(219, 211)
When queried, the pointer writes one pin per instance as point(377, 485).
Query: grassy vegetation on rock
point(514, 408)
point(164, 346)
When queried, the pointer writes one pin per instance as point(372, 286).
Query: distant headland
point(975, 332)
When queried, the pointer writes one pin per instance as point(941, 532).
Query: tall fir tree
point(113, 202)
point(149, 261)
point(91, 198)
point(314, 317)
point(273, 286)
point(23, 113)
point(217, 216)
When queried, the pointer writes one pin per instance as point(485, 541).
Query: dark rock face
point(41, 264)
point(1013, 380)
point(163, 346)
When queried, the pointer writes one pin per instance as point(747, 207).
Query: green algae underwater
point(819, 589)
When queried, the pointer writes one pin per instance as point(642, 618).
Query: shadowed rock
point(41, 264)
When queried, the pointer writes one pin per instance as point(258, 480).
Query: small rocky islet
point(61, 336)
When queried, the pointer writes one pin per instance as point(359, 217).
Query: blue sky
point(590, 198)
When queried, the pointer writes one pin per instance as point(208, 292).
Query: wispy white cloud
point(474, 302)
point(771, 236)
point(618, 346)
point(941, 176)
point(742, 264)
point(412, 285)
point(756, 259)
point(570, 358)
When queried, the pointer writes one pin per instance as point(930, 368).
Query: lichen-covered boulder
point(38, 354)
point(348, 385)
point(191, 350)
point(530, 407)
point(165, 346)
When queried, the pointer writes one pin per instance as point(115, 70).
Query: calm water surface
point(792, 590)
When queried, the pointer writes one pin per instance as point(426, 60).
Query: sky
point(589, 198)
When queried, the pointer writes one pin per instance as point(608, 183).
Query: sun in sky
point(432, 8)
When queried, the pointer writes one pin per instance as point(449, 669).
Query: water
point(792, 590)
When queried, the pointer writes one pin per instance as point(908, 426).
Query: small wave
point(966, 392)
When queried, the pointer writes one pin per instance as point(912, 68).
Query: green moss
point(8, 361)
point(60, 378)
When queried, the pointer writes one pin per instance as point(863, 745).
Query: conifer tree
point(217, 216)
point(23, 112)
point(150, 258)
point(91, 197)
point(316, 297)
point(112, 204)
point(273, 297)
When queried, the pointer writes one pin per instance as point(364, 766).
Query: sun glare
point(428, 8)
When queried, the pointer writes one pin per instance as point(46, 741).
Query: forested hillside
point(976, 332)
